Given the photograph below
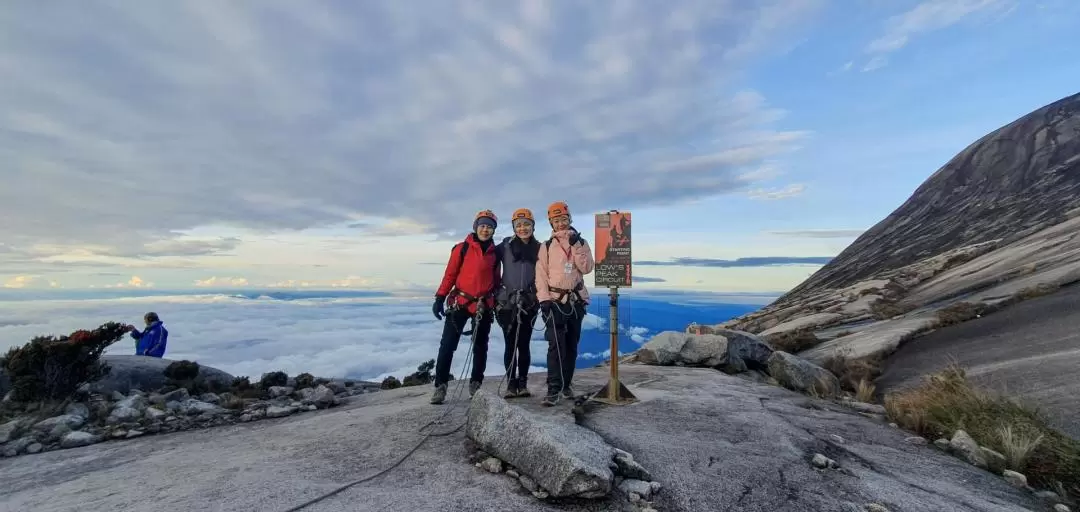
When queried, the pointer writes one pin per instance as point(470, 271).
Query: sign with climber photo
point(612, 250)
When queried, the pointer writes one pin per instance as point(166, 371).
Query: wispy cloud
point(927, 16)
point(819, 233)
point(789, 191)
point(215, 281)
point(754, 261)
point(148, 119)
point(645, 279)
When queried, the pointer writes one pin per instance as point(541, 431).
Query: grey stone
point(79, 438)
point(77, 409)
point(279, 391)
point(278, 412)
point(321, 396)
point(123, 415)
point(627, 467)
point(1018, 480)
point(801, 375)
point(148, 374)
point(176, 395)
point(639, 487)
point(72, 421)
point(680, 348)
point(565, 459)
point(745, 351)
point(965, 447)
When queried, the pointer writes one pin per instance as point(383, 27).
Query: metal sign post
point(613, 270)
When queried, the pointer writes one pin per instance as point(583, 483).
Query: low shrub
point(53, 368)
point(421, 376)
point(272, 379)
point(305, 380)
point(390, 382)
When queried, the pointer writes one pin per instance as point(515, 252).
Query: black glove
point(437, 307)
point(575, 238)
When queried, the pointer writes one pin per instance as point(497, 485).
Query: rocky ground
point(100, 412)
point(710, 441)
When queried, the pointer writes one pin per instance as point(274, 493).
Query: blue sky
point(208, 144)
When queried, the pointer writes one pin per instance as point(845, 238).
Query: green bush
point(421, 376)
point(272, 379)
point(305, 380)
point(52, 368)
point(390, 382)
point(182, 374)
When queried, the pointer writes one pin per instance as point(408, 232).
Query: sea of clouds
point(357, 337)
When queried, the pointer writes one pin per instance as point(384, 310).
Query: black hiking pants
point(517, 328)
point(454, 323)
point(563, 332)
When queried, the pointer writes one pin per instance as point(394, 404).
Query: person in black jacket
point(516, 304)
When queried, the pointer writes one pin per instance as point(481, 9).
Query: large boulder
point(147, 374)
point(730, 350)
point(796, 373)
point(567, 460)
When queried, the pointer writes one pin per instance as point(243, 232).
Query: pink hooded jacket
point(551, 264)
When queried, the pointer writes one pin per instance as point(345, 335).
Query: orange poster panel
point(613, 250)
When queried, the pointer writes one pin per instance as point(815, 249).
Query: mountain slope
point(1012, 182)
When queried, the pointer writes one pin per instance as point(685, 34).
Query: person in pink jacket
point(561, 266)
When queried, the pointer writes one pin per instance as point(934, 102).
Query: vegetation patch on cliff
point(948, 401)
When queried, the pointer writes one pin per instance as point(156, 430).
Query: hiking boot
point(523, 389)
point(568, 392)
point(473, 387)
point(439, 396)
point(511, 391)
point(550, 399)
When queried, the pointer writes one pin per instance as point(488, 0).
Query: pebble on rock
point(1015, 479)
point(823, 462)
point(875, 507)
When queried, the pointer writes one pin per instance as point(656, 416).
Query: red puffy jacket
point(477, 274)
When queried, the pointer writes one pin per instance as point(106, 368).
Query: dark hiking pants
point(562, 332)
point(453, 325)
point(517, 328)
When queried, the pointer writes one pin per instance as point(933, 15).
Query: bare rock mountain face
point(1017, 180)
point(997, 225)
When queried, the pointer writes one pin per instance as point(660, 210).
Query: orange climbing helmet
point(523, 213)
point(485, 214)
point(558, 208)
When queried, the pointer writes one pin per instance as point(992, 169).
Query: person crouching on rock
point(467, 286)
point(150, 342)
point(560, 287)
point(516, 305)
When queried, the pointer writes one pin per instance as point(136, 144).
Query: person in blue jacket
point(151, 341)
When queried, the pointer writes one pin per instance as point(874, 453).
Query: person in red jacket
point(468, 286)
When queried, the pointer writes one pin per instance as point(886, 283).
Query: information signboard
point(613, 263)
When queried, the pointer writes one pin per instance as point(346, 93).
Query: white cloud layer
point(355, 337)
point(147, 119)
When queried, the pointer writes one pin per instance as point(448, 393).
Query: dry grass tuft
point(960, 312)
point(854, 374)
point(948, 401)
point(885, 309)
point(793, 342)
point(864, 391)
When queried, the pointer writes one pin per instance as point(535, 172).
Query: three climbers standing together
point(512, 283)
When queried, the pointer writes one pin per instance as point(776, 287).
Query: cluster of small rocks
point(96, 418)
point(631, 478)
point(964, 447)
